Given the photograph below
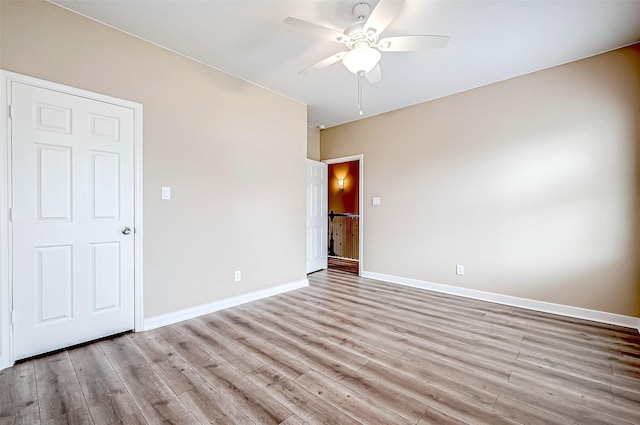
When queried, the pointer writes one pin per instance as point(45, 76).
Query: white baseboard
point(190, 313)
point(563, 310)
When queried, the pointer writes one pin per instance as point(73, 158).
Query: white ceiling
point(490, 41)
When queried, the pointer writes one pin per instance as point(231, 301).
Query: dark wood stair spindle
point(331, 250)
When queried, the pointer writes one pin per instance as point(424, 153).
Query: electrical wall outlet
point(238, 276)
point(460, 269)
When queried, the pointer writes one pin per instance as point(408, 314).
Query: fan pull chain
point(360, 76)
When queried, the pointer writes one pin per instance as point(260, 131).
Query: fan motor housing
point(356, 35)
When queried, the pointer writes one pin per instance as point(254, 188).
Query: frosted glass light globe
point(361, 59)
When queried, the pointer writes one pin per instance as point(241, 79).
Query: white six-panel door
point(72, 174)
point(317, 194)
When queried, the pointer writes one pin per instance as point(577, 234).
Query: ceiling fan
point(363, 42)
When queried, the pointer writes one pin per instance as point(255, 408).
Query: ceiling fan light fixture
point(361, 59)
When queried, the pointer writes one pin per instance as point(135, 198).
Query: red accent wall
point(347, 200)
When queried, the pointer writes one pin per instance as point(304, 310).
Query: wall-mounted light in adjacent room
point(341, 184)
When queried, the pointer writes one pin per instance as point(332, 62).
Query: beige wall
point(532, 184)
point(233, 153)
point(313, 144)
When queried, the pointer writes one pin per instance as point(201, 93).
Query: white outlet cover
point(375, 201)
point(238, 276)
point(460, 269)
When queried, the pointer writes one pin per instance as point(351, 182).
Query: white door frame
point(359, 158)
point(6, 248)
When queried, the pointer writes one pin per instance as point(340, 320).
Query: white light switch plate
point(459, 269)
point(166, 192)
point(375, 201)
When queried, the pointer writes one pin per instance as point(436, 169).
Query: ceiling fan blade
point(318, 30)
point(324, 63)
point(408, 43)
point(382, 15)
point(374, 75)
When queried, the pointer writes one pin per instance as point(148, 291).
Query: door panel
point(53, 183)
point(105, 276)
point(54, 283)
point(317, 194)
point(72, 193)
point(105, 187)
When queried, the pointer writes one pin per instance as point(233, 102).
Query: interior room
point(320, 212)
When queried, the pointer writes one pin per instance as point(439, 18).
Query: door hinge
point(11, 215)
point(11, 317)
point(9, 111)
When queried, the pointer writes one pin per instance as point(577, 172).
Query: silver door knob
point(126, 230)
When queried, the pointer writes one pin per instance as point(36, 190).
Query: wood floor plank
point(398, 402)
point(631, 398)
point(155, 399)
point(294, 420)
point(407, 381)
point(626, 382)
point(598, 353)
point(306, 405)
point(210, 407)
point(339, 335)
point(524, 414)
point(18, 395)
point(321, 362)
point(171, 411)
point(59, 391)
point(435, 417)
point(551, 352)
point(145, 386)
point(121, 354)
point(338, 326)
point(379, 314)
point(350, 402)
point(421, 303)
point(409, 377)
point(226, 351)
point(581, 384)
point(345, 350)
point(257, 347)
point(625, 413)
point(400, 301)
point(626, 371)
point(106, 396)
point(153, 396)
point(283, 331)
point(423, 317)
point(434, 397)
point(80, 416)
point(534, 402)
point(134, 419)
point(251, 400)
point(164, 361)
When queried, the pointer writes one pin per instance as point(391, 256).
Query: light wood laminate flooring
point(343, 351)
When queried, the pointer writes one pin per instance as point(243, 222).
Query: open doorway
point(345, 214)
